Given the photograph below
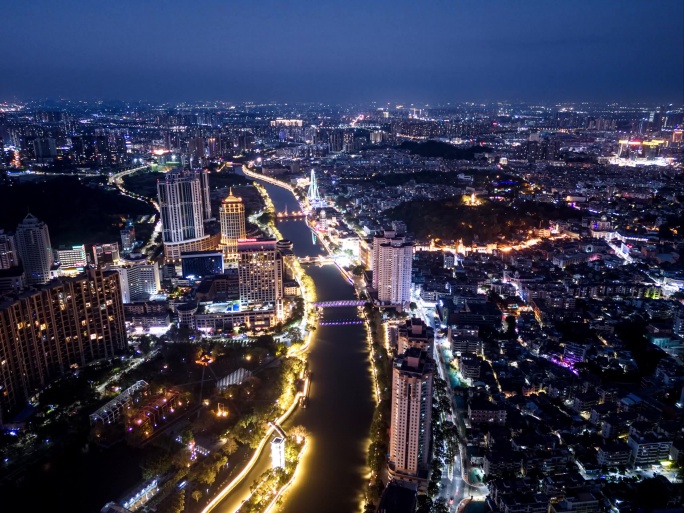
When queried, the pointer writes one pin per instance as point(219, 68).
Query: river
point(332, 474)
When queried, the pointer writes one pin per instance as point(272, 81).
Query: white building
point(183, 203)
point(278, 452)
point(138, 281)
point(34, 248)
point(392, 264)
point(73, 257)
point(411, 417)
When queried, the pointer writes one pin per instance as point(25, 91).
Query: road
point(453, 485)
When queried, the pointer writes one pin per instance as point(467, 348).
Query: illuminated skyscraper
point(260, 269)
point(232, 216)
point(184, 205)
point(34, 248)
point(392, 264)
point(411, 417)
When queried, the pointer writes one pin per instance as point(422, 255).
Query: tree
point(424, 504)
point(230, 447)
point(358, 270)
point(145, 344)
point(440, 506)
point(299, 433)
point(413, 306)
point(197, 495)
point(177, 502)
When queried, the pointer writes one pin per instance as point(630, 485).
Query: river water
point(332, 475)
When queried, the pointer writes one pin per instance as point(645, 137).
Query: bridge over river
point(337, 304)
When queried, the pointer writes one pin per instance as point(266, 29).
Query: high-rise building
point(415, 333)
point(50, 330)
point(8, 251)
point(260, 270)
point(34, 248)
point(203, 175)
point(392, 264)
point(411, 417)
point(184, 205)
point(232, 217)
point(138, 281)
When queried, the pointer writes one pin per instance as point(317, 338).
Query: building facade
point(232, 218)
point(8, 251)
point(183, 197)
point(392, 264)
point(411, 418)
point(34, 248)
point(47, 331)
point(138, 281)
point(260, 271)
point(199, 264)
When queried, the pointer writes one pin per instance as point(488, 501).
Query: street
point(454, 488)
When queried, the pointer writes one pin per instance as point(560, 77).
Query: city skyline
point(316, 256)
point(384, 52)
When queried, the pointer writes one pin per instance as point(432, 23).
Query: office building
point(232, 217)
point(184, 204)
point(260, 272)
point(104, 254)
point(392, 264)
point(411, 417)
point(34, 248)
point(199, 264)
point(139, 281)
point(8, 251)
point(71, 258)
point(48, 331)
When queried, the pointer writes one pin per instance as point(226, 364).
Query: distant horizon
point(365, 103)
point(355, 52)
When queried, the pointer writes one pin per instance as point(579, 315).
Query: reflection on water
point(334, 472)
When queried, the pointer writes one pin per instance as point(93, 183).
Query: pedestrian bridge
point(334, 304)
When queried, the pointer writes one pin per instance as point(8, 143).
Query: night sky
point(341, 51)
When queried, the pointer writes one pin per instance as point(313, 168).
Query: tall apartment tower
point(48, 331)
point(260, 271)
point(8, 251)
point(415, 333)
point(34, 248)
point(232, 217)
point(411, 417)
point(392, 264)
point(184, 205)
